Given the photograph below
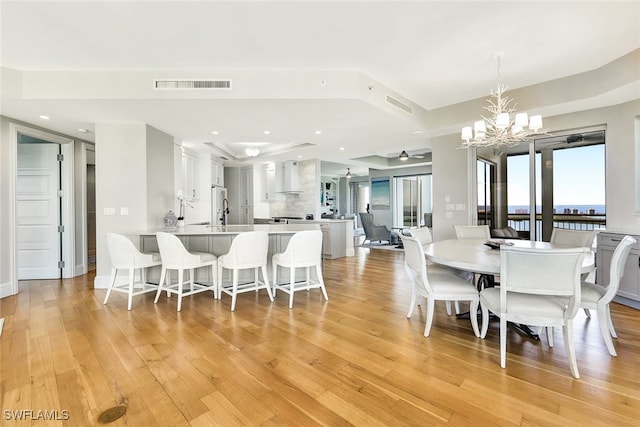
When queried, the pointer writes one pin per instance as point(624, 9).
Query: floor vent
point(186, 84)
point(398, 104)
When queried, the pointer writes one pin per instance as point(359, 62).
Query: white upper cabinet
point(217, 173)
point(191, 174)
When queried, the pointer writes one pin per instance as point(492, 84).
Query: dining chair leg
point(412, 303)
point(567, 331)
point(456, 306)
point(234, 289)
point(587, 312)
point(180, 286)
point(132, 276)
point(112, 282)
point(266, 281)
point(473, 314)
point(321, 280)
point(448, 305)
point(603, 320)
point(610, 322)
point(503, 343)
point(214, 277)
point(431, 305)
point(163, 274)
point(274, 269)
point(549, 335)
point(485, 321)
point(292, 280)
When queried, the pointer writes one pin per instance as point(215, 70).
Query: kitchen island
point(217, 240)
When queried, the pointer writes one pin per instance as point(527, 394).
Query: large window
point(568, 185)
point(413, 205)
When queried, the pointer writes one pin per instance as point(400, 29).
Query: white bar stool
point(125, 256)
point(176, 257)
point(248, 251)
point(303, 251)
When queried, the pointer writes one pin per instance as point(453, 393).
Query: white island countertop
point(199, 230)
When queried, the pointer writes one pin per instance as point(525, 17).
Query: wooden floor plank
point(353, 360)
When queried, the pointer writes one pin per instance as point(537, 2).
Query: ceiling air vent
point(398, 104)
point(187, 84)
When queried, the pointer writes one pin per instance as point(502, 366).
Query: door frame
point(66, 182)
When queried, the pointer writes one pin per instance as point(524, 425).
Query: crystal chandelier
point(499, 129)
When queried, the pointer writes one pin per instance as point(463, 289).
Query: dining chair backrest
point(616, 270)
point(123, 252)
point(304, 249)
point(575, 238)
point(472, 231)
point(414, 261)
point(539, 271)
point(248, 250)
point(423, 234)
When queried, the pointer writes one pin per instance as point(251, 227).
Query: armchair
point(377, 233)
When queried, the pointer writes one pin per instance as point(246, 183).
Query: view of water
point(598, 209)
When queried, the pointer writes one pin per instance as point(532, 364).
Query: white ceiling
point(297, 66)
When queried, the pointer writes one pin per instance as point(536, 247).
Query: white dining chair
point(304, 250)
point(537, 287)
point(574, 238)
point(125, 256)
point(176, 257)
point(472, 231)
point(423, 234)
point(248, 251)
point(597, 297)
point(435, 285)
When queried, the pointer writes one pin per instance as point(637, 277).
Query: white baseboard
point(6, 290)
point(80, 270)
point(101, 282)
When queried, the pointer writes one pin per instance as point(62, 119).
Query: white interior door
point(38, 211)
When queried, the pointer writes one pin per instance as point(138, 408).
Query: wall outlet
point(448, 215)
point(124, 211)
point(460, 207)
point(109, 211)
point(450, 206)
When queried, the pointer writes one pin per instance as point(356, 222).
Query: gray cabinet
point(334, 243)
point(630, 283)
point(246, 195)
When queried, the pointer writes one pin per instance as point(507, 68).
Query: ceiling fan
point(406, 156)
point(575, 139)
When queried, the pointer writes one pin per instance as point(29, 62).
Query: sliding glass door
point(556, 182)
point(413, 205)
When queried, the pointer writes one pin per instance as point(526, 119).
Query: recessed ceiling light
point(417, 132)
point(318, 132)
point(299, 156)
point(83, 130)
point(341, 148)
point(215, 132)
point(267, 132)
point(45, 117)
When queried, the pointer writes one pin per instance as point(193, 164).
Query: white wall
point(134, 171)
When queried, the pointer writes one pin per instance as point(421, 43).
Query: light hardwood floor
point(354, 360)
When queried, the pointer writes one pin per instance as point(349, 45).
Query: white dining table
point(473, 255)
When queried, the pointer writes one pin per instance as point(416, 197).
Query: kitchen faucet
point(225, 211)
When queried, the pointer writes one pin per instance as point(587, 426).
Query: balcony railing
point(521, 222)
